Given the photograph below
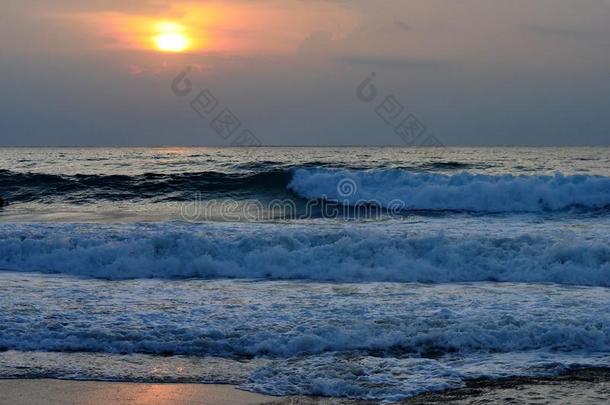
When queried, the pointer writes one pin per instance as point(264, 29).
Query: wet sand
point(587, 386)
point(50, 392)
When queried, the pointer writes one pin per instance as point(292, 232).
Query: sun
point(171, 37)
point(171, 42)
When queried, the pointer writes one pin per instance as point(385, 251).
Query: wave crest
point(458, 192)
point(328, 253)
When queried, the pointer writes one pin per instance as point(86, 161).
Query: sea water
point(373, 273)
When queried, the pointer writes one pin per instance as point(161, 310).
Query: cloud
point(567, 33)
point(402, 26)
point(319, 42)
point(231, 27)
point(395, 27)
point(393, 63)
point(70, 6)
point(135, 70)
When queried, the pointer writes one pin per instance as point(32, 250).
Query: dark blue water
point(373, 273)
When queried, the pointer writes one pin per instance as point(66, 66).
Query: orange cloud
point(274, 27)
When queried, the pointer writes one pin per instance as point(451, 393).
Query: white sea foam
point(382, 341)
point(463, 191)
point(153, 302)
point(394, 379)
point(325, 252)
point(356, 376)
point(285, 319)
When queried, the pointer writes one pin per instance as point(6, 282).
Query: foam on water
point(463, 191)
point(495, 272)
point(364, 377)
point(382, 341)
point(354, 253)
point(283, 319)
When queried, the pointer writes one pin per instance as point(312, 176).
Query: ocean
point(369, 273)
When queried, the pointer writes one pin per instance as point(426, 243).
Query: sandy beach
point(49, 391)
point(585, 386)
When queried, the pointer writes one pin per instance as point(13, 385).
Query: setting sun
point(171, 38)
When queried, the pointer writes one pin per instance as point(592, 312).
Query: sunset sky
point(473, 72)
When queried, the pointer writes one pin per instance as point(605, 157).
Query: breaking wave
point(456, 192)
point(320, 253)
point(405, 190)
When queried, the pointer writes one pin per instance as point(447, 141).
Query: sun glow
point(217, 27)
point(171, 37)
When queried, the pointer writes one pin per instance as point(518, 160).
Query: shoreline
point(53, 391)
point(586, 385)
point(581, 385)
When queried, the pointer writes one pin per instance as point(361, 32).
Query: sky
point(296, 72)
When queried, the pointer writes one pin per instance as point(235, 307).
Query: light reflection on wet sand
point(45, 392)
